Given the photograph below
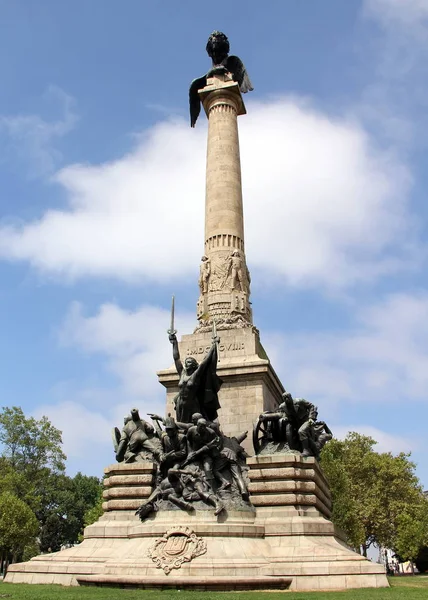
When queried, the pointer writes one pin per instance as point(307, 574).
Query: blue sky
point(100, 174)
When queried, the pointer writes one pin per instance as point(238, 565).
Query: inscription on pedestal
point(229, 347)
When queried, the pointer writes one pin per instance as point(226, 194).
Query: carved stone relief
point(218, 272)
point(178, 545)
point(229, 273)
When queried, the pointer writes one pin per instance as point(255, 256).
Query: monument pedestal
point(287, 542)
point(250, 384)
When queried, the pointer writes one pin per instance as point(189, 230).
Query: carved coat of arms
point(178, 545)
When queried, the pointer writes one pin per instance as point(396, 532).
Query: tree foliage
point(371, 491)
point(16, 483)
point(65, 502)
point(96, 511)
point(31, 446)
point(18, 524)
point(32, 470)
point(412, 531)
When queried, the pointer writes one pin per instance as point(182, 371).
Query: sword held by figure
point(216, 339)
point(171, 330)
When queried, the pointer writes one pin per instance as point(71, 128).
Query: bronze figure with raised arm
point(198, 384)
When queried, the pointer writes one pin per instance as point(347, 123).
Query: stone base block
point(288, 480)
point(283, 545)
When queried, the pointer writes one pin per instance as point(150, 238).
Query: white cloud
point(395, 104)
point(85, 434)
point(323, 204)
point(382, 357)
point(135, 346)
point(402, 12)
point(386, 442)
point(82, 428)
point(134, 342)
point(31, 139)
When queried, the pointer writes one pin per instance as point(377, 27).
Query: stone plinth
point(127, 485)
point(250, 385)
point(289, 480)
point(287, 543)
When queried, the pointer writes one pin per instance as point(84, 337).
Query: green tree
point(371, 491)
point(345, 512)
point(16, 483)
point(31, 549)
point(96, 511)
point(32, 466)
point(64, 504)
point(84, 493)
point(31, 446)
point(51, 533)
point(412, 531)
point(18, 525)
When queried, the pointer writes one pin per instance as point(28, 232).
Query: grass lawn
point(402, 588)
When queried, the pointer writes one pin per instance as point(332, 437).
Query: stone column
point(250, 384)
point(224, 278)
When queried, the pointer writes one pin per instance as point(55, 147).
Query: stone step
point(123, 504)
point(275, 487)
point(291, 499)
point(219, 583)
point(129, 479)
point(136, 468)
point(127, 492)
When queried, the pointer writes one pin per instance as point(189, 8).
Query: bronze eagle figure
point(218, 50)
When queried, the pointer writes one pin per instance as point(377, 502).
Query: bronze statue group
point(197, 466)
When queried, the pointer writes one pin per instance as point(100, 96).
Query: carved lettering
point(231, 347)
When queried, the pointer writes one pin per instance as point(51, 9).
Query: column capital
point(221, 89)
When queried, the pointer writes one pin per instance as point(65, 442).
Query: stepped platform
point(287, 542)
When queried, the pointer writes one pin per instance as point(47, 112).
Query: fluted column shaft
point(223, 196)
point(224, 279)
